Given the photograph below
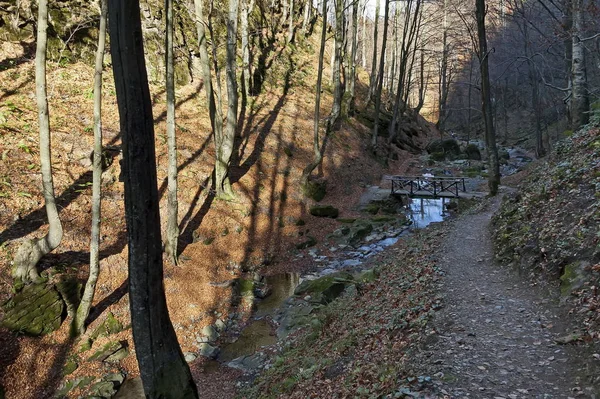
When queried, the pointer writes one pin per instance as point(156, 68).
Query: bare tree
point(31, 251)
point(226, 142)
point(351, 108)
point(247, 7)
point(380, 77)
point(486, 101)
point(172, 233)
point(581, 100)
point(83, 310)
point(163, 369)
point(317, 147)
point(373, 81)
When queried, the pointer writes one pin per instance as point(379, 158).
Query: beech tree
point(486, 100)
point(380, 77)
point(30, 252)
point(172, 233)
point(373, 77)
point(163, 369)
point(83, 310)
point(581, 100)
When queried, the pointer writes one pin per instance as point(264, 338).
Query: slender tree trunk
point(163, 369)
point(373, 79)
point(172, 233)
point(353, 51)
point(307, 7)
point(83, 310)
point(31, 251)
point(486, 103)
point(216, 117)
point(317, 151)
point(422, 84)
point(337, 76)
point(568, 44)
point(363, 38)
point(443, 73)
point(380, 77)
point(246, 72)
point(223, 185)
point(290, 36)
point(581, 101)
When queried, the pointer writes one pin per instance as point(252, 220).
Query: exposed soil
point(497, 335)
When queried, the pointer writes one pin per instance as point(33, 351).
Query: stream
point(260, 331)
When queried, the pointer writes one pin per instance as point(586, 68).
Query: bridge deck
point(432, 187)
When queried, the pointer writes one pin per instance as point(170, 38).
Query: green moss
point(70, 366)
point(208, 241)
point(327, 211)
point(346, 220)
point(372, 208)
point(315, 190)
point(437, 156)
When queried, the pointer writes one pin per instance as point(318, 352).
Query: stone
point(190, 357)
point(326, 211)
point(209, 351)
point(574, 276)
point(131, 389)
point(109, 326)
point(104, 389)
point(309, 242)
point(220, 325)
point(325, 289)
point(472, 151)
point(248, 364)
point(315, 190)
point(111, 348)
point(358, 232)
point(211, 333)
point(36, 310)
point(117, 356)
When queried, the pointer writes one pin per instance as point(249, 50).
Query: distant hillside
point(549, 228)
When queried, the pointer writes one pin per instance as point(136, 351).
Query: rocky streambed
point(286, 302)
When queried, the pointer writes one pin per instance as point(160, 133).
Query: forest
point(299, 199)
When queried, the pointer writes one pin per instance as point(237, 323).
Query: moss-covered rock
point(116, 348)
point(444, 149)
point(574, 277)
point(473, 152)
point(324, 211)
point(36, 310)
point(309, 242)
point(359, 231)
point(315, 190)
point(325, 289)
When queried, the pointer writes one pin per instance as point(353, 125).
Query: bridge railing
point(433, 186)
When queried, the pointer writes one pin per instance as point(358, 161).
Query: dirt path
point(495, 338)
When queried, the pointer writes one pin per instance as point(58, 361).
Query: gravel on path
point(496, 336)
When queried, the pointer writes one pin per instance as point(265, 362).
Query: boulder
point(325, 211)
point(315, 190)
point(209, 351)
point(358, 232)
point(211, 333)
point(444, 149)
point(309, 242)
point(325, 289)
point(473, 152)
point(36, 310)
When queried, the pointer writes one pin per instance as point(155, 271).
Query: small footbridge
point(430, 187)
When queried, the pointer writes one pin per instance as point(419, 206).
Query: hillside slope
point(220, 240)
point(549, 228)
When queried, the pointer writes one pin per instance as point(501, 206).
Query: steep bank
point(548, 229)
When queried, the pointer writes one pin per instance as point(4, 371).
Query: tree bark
point(581, 100)
point(246, 72)
point(225, 149)
point(307, 7)
point(353, 51)
point(380, 77)
point(373, 81)
point(290, 36)
point(486, 103)
point(163, 369)
point(444, 89)
point(83, 310)
point(317, 150)
point(172, 233)
point(31, 251)
point(337, 61)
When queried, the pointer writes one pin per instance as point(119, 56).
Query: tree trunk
point(31, 251)
point(317, 150)
point(568, 43)
point(83, 310)
point(373, 81)
point(486, 103)
point(337, 60)
point(353, 51)
point(443, 73)
point(172, 233)
point(581, 101)
point(246, 72)
point(216, 116)
point(380, 77)
point(163, 369)
point(290, 36)
point(225, 149)
point(307, 7)
point(363, 38)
